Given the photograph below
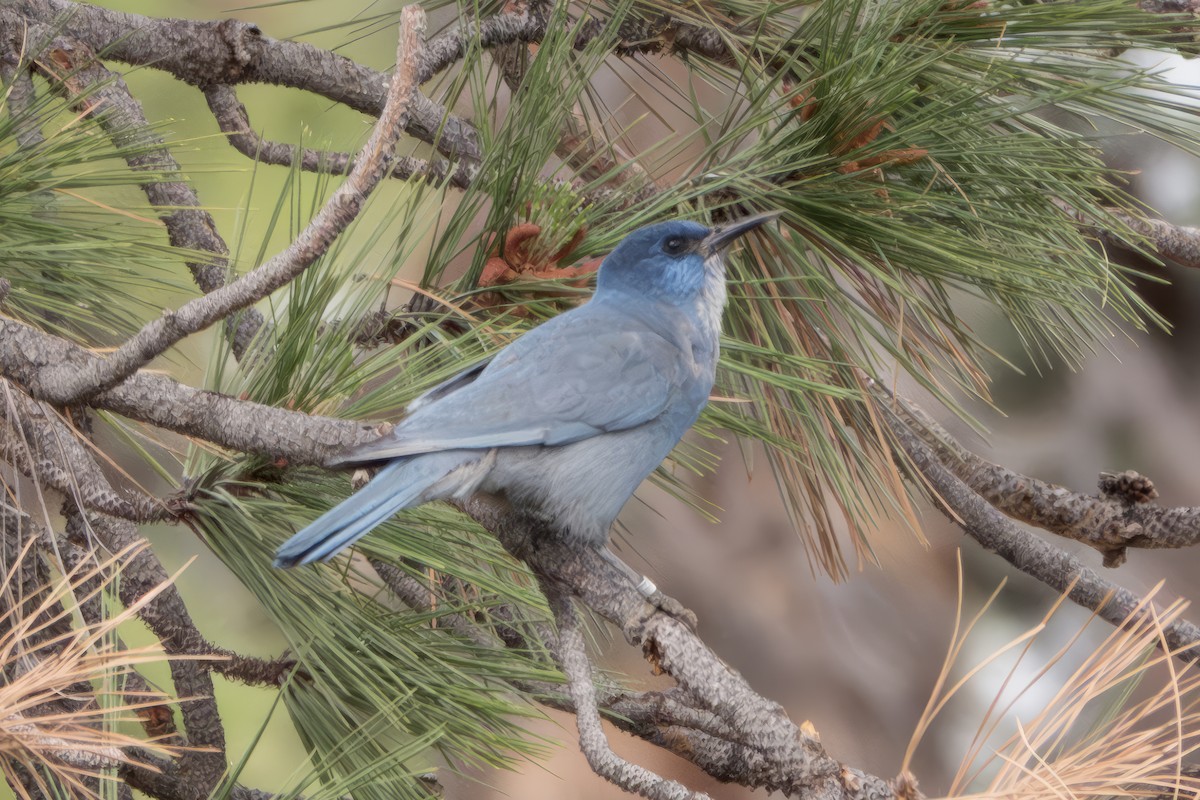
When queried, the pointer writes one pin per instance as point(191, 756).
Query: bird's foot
point(667, 604)
point(646, 588)
point(673, 608)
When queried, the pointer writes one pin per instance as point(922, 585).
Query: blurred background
point(859, 658)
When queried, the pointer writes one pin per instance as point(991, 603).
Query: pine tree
point(924, 154)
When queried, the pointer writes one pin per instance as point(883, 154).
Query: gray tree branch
point(668, 719)
point(571, 654)
point(995, 532)
point(42, 446)
point(1110, 523)
point(1177, 243)
point(28, 355)
point(230, 52)
point(73, 70)
point(234, 122)
point(157, 721)
point(340, 210)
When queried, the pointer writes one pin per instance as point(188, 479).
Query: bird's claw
point(673, 608)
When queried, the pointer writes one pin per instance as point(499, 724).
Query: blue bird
point(568, 419)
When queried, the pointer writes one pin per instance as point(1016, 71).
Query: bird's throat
point(710, 303)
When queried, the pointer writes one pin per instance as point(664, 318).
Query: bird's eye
point(674, 246)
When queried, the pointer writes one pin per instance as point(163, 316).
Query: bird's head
point(673, 261)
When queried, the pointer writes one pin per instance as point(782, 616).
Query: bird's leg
point(647, 589)
point(645, 586)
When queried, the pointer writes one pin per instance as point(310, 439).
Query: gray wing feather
point(557, 384)
point(447, 386)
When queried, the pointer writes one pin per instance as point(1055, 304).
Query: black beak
point(723, 236)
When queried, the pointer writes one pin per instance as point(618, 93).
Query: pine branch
point(799, 764)
point(40, 444)
point(1121, 517)
point(1177, 243)
point(229, 52)
point(73, 70)
point(1053, 567)
point(340, 210)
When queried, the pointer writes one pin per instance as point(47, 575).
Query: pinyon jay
point(567, 420)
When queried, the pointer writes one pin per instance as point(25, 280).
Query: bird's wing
point(447, 386)
point(557, 384)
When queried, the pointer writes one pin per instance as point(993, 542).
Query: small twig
point(23, 595)
point(572, 659)
point(234, 121)
point(64, 750)
point(382, 326)
point(1053, 567)
point(341, 209)
point(1177, 243)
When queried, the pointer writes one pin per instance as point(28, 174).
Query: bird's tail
point(400, 484)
